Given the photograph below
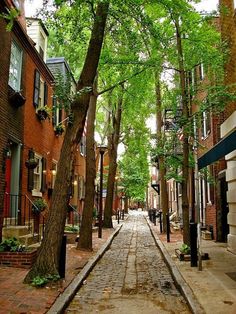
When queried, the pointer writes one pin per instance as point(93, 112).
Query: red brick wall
point(18, 259)
point(11, 118)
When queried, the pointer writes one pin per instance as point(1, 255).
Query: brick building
point(32, 120)
point(220, 143)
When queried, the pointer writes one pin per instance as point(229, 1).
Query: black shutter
point(36, 88)
point(30, 172)
point(45, 94)
point(54, 111)
point(44, 175)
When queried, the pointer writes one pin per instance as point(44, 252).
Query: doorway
point(223, 227)
point(12, 180)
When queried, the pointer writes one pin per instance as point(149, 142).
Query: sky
point(204, 5)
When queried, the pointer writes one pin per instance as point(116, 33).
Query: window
point(37, 177)
point(15, 67)
point(206, 124)
point(81, 189)
point(40, 90)
point(57, 113)
point(41, 93)
point(53, 173)
point(201, 72)
point(83, 145)
point(41, 44)
point(235, 4)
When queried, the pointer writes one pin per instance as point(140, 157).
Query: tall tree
point(85, 238)
point(49, 252)
point(113, 141)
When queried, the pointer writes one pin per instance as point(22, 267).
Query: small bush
point(11, 245)
point(72, 228)
point(41, 281)
point(185, 249)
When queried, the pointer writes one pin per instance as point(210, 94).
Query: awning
point(222, 148)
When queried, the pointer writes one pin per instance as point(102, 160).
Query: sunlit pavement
point(214, 286)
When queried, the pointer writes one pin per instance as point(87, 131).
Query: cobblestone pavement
point(130, 278)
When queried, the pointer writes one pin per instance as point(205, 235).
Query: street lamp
point(102, 150)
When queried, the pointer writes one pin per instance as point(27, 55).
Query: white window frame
point(37, 174)
point(205, 130)
point(41, 93)
point(15, 69)
point(53, 173)
point(201, 72)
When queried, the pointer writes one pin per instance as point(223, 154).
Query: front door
point(7, 184)
point(12, 180)
point(223, 227)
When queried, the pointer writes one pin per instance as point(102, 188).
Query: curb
point(65, 298)
point(185, 289)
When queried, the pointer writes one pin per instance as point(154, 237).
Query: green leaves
point(10, 16)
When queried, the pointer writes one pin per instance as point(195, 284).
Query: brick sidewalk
point(19, 298)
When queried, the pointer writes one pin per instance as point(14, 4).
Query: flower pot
point(31, 163)
point(42, 114)
point(16, 98)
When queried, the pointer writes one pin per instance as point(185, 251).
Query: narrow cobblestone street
point(130, 278)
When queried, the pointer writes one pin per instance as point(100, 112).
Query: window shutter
point(54, 111)
point(30, 172)
point(44, 175)
point(60, 115)
point(36, 88)
point(45, 94)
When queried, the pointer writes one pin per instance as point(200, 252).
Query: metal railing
point(17, 211)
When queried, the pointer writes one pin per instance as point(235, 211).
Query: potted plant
point(39, 205)
point(59, 129)
point(31, 163)
point(183, 253)
point(43, 113)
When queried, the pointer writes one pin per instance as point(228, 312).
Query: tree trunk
point(85, 237)
point(49, 252)
point(113, 142)
point(185, 117)
point(162, 167)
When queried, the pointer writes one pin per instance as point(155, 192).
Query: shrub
point(11, 245)
point(41, 281)
point(185, 249)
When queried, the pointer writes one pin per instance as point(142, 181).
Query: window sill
point(37, 193)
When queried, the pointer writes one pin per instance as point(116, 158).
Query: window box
point(16, 98)
point(59, 129)
point(43, 113)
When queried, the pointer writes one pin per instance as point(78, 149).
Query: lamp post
point(102, 150)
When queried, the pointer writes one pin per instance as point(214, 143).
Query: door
point(224, 209)
point(7, 184)
point(12, 179)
